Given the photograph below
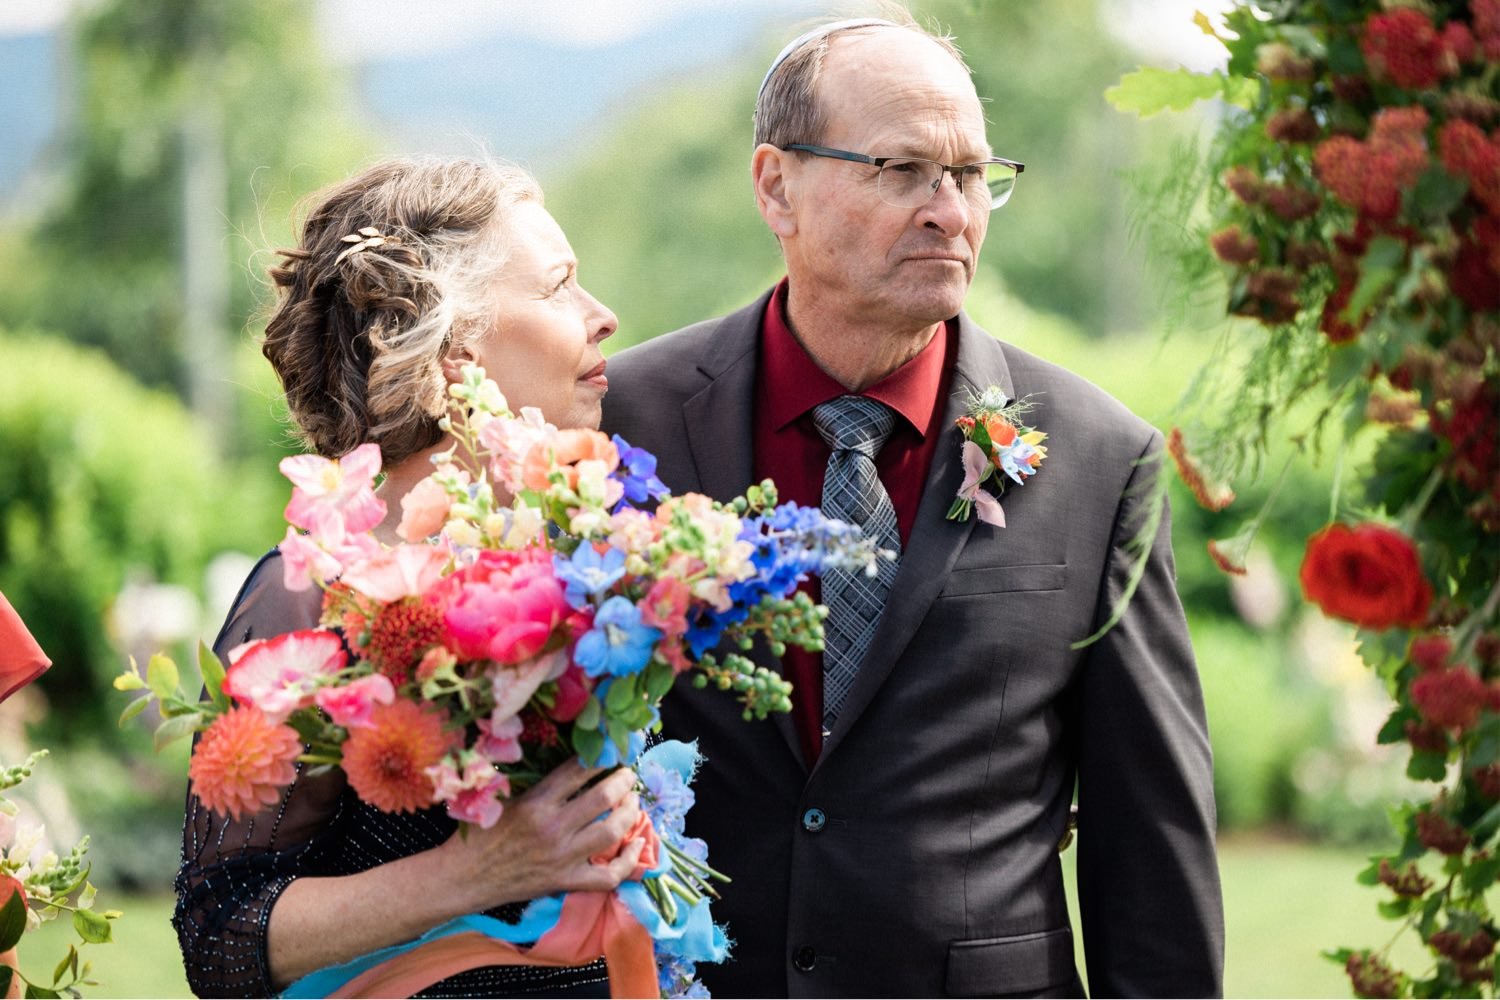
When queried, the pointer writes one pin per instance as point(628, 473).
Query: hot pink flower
point(424, 510)
point(351, 705)
point(504, 607)
point(473, 794)
point(404, 571)
point(500, 742)
point(332, 498)
point(573, 690)
point(280, 675)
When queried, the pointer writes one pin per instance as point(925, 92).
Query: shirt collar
point(800, 385)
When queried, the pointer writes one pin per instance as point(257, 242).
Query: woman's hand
point(544, 839)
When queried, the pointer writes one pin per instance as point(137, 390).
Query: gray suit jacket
point(918, 855)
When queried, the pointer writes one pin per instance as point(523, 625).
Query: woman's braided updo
point(362, 324)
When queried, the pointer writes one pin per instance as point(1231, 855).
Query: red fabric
point(21, 659)
point(789, 450)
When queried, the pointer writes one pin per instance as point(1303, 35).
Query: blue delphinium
point(637, 473)
point(668, 797)
point(619, 643)
point(588, 573)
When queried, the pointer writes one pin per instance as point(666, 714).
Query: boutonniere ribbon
point(997, 447)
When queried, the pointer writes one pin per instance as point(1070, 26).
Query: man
point(899, 834)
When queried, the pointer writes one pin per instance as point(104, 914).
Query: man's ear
point(454, 360)
point(772, 195)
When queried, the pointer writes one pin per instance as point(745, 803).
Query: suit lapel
point(935, 541)
point(720, 429)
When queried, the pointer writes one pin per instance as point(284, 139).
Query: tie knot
point(854, 423)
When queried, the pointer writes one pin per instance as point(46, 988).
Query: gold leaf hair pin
point(363, 240)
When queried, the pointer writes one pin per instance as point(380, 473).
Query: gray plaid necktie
point(854, 427)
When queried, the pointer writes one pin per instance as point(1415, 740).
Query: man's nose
point(948, 209)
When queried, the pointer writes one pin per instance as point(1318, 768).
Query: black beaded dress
point(233, 870)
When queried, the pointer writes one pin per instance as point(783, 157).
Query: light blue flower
point(588, 573)
point(619, 643)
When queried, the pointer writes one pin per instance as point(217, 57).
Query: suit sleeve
point(1148, 880)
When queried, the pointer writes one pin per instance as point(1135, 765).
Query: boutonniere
point(997, 446)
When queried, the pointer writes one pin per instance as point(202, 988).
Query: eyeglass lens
point(907, 183)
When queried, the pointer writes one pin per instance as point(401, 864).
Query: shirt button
point(813, 820)
point(804, 958)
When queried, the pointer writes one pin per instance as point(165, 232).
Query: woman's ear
point(454, 360)
point(768, 172)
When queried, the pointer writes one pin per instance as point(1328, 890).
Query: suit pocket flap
point(1027, 963)
point(999, 579)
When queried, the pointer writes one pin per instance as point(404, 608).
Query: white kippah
point(813, 35)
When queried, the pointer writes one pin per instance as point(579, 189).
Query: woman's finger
point(600, 798)
point(564, 781)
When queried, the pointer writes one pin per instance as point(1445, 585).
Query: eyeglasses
point(910, 181)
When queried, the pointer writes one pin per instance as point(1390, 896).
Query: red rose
point(1368, 575)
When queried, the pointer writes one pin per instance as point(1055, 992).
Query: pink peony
point(351, 705)
point(473, 794)
point(424, 511)
point(332, 498)
point(504, 607)
point(500, 741)
point(280, 675)
point(392, 574)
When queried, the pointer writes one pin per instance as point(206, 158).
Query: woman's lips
point(595, 376)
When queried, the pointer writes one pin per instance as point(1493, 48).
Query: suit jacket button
point(813, 820)
point(804, 958)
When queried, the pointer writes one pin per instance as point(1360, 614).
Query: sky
point(355, 30)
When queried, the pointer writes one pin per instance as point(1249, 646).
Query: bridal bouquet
point(533, 612)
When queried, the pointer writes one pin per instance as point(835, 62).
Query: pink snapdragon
point(353, 704)
point(473, 794)
point(513, 686)
point(424, 510)
point(504, 607)
point(393, 574)
point(334, 497)
point(508, 442)
point(280, 675)
point(976, 467)
point(500, 741)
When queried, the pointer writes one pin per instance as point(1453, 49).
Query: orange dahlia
point(387, 763)
point(243, 762)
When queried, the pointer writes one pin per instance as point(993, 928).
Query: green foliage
point(1260, 718)
point(101, 263)
point(1150, 91)
point(101, 479)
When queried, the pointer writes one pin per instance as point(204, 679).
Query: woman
point(401, 276)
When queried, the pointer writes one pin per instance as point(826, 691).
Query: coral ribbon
point(592, 924)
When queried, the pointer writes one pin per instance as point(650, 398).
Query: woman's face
point(543, 347)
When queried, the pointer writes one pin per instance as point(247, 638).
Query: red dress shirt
point(788, 449)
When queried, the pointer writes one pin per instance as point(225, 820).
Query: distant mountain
point(29, 89)
point(521, 98)
point(529, 100)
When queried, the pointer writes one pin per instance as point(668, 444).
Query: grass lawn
point(1284, 902)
